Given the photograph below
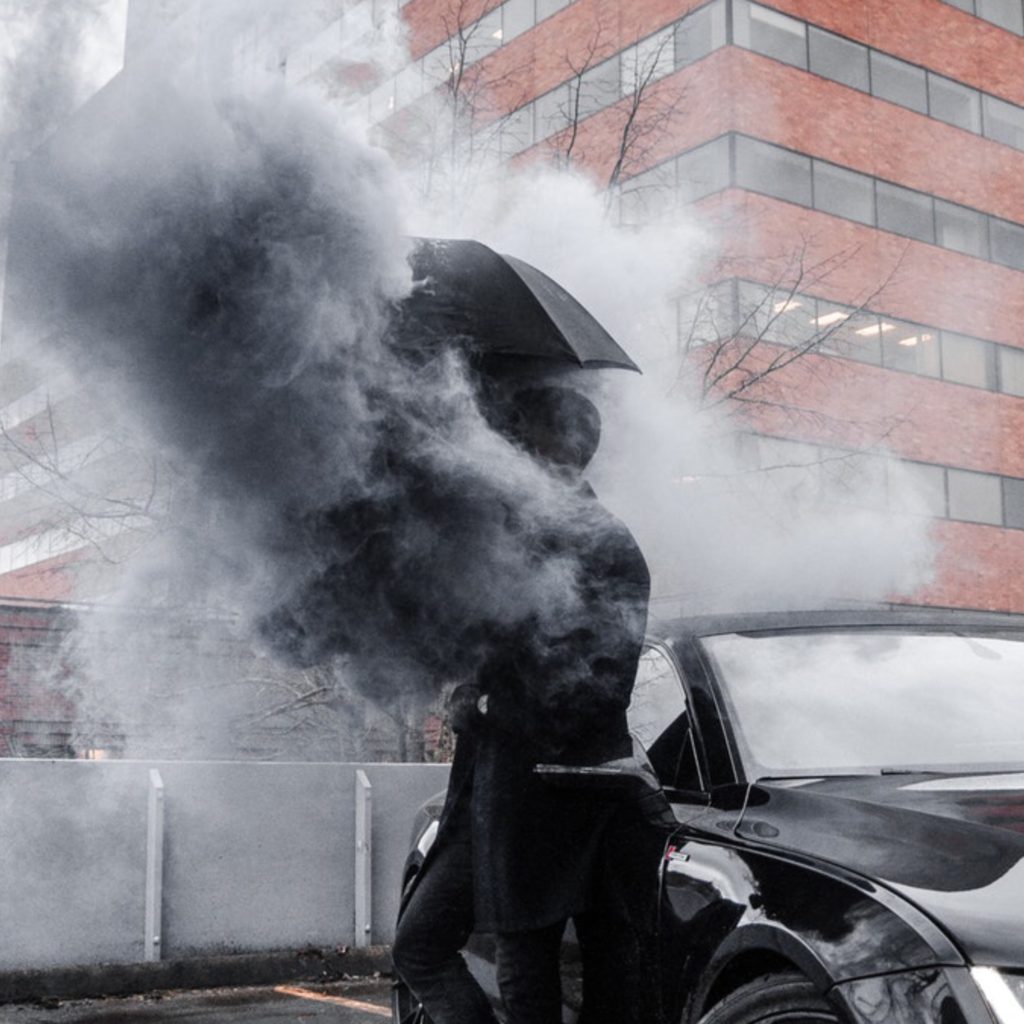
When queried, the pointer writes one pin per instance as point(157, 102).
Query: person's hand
point(464, 707)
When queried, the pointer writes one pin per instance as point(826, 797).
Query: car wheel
point(405, 1008)
point(774, 998)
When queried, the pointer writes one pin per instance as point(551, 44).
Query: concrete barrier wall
point(257, 856)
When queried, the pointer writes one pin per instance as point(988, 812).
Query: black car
point(841, 831)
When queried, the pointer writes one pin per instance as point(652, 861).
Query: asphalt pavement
point(344, 1002)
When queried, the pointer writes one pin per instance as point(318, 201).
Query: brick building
point(863, 166)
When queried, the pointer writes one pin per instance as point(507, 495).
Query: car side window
point(660, 720)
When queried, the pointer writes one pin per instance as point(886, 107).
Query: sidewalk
point(362, 1001)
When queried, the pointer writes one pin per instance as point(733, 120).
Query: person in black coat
point(516, 856)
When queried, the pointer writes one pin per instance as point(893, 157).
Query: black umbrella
point(500, 306)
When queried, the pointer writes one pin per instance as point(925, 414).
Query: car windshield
point(821, 703)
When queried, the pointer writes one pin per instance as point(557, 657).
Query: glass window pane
point(905, 212)
point(846, 332)
point(968, 360)
point(516, 17)
point(1011, 370)
point(910, 347)
point(648, 196)
point(700, 33)
point(899, 82)
point(922, 485)
point(769, 32)
point(704, 170)
point(551, 112)
point(975, 497)
point(789, 319)
point(777, 172)
point(1007, 14)
point(1003, 121)
point(954, 103)
point(844, 193)
point(484, 37)
point(650, 59)
point(516, 132)
point(598, 88)
point(961, 229)
point(964, 5)
point(545, 8)
point(1013, 502)
point(1007, 242)
point(840, 59)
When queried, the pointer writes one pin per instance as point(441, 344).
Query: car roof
point(860, 617)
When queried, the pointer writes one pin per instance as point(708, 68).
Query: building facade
point(861, 164)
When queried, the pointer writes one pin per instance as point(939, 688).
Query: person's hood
point(952, 845)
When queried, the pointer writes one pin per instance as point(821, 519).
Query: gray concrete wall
point(257, 856)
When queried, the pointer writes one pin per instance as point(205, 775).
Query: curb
point(239, 970)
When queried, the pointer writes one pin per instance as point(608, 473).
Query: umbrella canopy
point(502, 307)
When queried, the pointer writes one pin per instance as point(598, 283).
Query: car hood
point(952, 845)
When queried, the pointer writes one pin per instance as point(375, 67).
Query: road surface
point(350, 1002)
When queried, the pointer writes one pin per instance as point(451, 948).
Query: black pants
point(434, 927)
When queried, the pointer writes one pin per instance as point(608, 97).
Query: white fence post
point(364, 865)
point(154, 866)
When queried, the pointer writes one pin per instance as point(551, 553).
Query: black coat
point(554, 695)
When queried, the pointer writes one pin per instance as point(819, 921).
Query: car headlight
point(1003, 992)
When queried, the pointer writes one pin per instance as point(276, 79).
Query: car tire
point(405, 1008)
point(774, 999)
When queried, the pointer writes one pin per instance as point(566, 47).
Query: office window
point(484, 37)
point(844, 331)
point(1007, 14)
point(840, 59)
point(1011, 370)
point(899, 82)
point(700, 33)
point(598, 88)
point(904, 212)
point(516, 132)
point(964, 5)
point(1003, 122)
point(545, 8)
point(551, 112)
point(954, 103)
point(961, 229)
point(923, 490)
point(769, 32)
point(775, 171)
point(1013, 503)
point(788, 319)
point(648, 196)
point(516, 18)
point(909, 347)
point(844, 193)
point(1007, 242)
point(650, 59)
point(975, 497)
point(704, 170)
point(968, 360)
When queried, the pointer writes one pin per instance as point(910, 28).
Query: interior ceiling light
point(786, 305)
point(874, 329)
point(497, 34)
point(827, 319)
point(908, 342)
